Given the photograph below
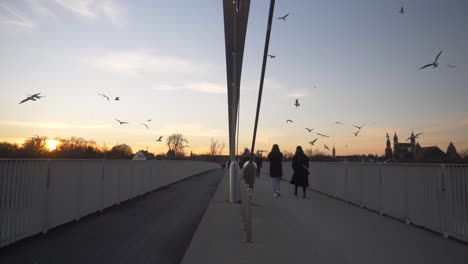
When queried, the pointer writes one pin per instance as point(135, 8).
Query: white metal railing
point(433, 196)
point(36, 195)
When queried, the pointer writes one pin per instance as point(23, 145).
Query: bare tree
point(177, 142)
point(215, 148)
point(464, 153)
point(34, 147)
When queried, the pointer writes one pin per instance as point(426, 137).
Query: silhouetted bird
point(284, 17)
point(33, 97)
point(105, 96)
point(313, 141)
point(402, 10)
point(289, 120)
point(297, 103)
point(310, 130)
point(325, 146)
point(145, 125)
point(434, 64)
point(415, 136)
point(149, 120)
point(357, 132)
point(117, 99)
point(360, 127)
point(121, 122)
point(272, 56)
point(159, 139)
point(451, 66)
point(322, 135)
point(336, 123)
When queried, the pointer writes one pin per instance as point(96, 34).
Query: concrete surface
point(318, 229)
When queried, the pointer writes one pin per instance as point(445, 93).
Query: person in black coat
point(276, 168)
point(300, 165)
point(258, 161)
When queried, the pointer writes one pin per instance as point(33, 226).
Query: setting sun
point(52, 144)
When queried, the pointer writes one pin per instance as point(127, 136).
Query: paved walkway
point(156, 228)
point(318, 229)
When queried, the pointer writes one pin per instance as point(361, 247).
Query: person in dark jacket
point(258, 161)
point(244, 158)
point(276, 168)
point(300, 165)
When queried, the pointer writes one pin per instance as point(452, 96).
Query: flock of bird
point(434, 64)
point(38, 96)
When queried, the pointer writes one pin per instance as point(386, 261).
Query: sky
point(356, 62)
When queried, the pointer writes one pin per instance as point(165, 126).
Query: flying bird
point(310, 130)
point(289, 120)
point(145, 125)
point(33, 97)
point(451, 66)
point(159, 139)
point(322, 135)
point(357, 132)
point(434, 64)
point(336, 123)
point(271, 56)
point(415, 136)
point(284, 17)
point(121, 122)
point(149, 120)
point(297, 103)
point(402, 10)
point(117, 98)
point(360, 127)
point(105, 96)
point(325, 146)
point(313, 141)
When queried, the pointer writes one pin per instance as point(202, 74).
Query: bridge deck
point(318, 229)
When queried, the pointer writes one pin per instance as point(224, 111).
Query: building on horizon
point(413, 152)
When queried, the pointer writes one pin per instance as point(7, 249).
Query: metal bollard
point(248, 173)
point(234, 182)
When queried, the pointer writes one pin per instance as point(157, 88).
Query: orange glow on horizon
point(52, 144)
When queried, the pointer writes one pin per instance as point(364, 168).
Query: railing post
point(443, 202)
point(46, 200)
point(102, 186)
point(380, 190)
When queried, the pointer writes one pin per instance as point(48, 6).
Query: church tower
point(388, 149)
point(413, 142)
point(395, 146)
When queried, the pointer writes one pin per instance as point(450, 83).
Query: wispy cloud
point(90, 10)
point(11, 16)
point(51, 125)
point(201, 87)
point(299, 93)
point(40, 9)
point(95, 9)
point(193, 129)
point(135, 63)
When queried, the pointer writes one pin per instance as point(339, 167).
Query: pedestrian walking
point(258, 161)
point(300, 165)
point(276, 168)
